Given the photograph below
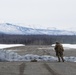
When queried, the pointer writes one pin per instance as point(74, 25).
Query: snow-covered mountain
point(7, 28)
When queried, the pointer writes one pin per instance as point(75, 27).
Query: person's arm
point(55, 48)
point(62, 48)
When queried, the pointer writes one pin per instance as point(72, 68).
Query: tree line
point(36, 39)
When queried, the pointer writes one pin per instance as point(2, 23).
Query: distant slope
point(7, 28)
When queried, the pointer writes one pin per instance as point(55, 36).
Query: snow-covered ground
point(6, 55)
point(9, 45)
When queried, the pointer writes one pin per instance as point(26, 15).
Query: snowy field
point(9, 55)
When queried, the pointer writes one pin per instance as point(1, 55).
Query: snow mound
point(12, 56)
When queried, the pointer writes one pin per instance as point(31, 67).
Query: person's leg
point(62, 58)
point(61, 55)
point(58, 58)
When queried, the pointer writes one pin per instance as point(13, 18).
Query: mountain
point(7, 28)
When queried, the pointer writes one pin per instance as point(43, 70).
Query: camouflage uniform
point(59, 51)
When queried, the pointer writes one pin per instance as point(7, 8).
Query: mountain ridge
point(7, 28)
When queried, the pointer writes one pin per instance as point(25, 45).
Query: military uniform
point(59, 51)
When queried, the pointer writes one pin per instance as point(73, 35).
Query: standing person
point(59, 51)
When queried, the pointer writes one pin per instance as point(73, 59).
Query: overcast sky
point(39, 13)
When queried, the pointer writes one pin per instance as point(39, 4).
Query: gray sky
point(39, 13)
